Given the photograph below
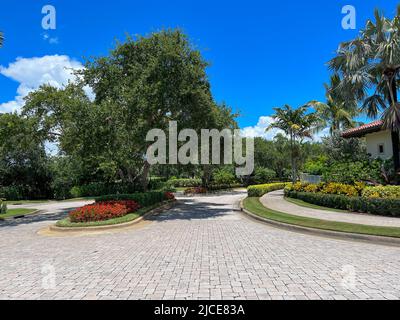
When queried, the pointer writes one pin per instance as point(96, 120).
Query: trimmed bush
point(383, 192)
point(328, 188)
point(143, 199)
point(260, 190)
point(376, 206)
point(184, 183)
point(96, 189)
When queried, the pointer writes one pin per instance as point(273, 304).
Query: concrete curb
point(380, 240)
point(152, 212)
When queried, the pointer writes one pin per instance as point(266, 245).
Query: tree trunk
point(294, 177)
point(395, 134)
point(144, 179)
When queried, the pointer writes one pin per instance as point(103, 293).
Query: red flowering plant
point(169, 196)
point(103, 211)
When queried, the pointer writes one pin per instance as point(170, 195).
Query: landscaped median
point(114, 211)
point(253, 206)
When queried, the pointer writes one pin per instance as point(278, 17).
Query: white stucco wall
point(376, 139)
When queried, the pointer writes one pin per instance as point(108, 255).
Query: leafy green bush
point(351, 172)
point(223, 177)
point(216, 187)
point(260, 190)
point(263, 175)
point(383, 192)
point(316, 166)
point(98, 189)
point(384, 207)
point(13, 193)
point(184, 183)
point(328, 188)
point(144, 199)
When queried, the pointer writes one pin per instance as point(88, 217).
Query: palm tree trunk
point(294, 177)
point(395, 134)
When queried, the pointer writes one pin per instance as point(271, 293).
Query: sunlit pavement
point(202, 249)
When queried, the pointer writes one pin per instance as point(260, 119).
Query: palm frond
point(391, 118)
point(373, 105)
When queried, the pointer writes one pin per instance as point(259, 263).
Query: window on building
point(381, 148)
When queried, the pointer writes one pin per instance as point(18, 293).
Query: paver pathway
point(276, 201)
point(201, 249)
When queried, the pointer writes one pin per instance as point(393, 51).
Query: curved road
point(202, 249)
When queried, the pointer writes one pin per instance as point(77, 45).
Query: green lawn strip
point(21, 202)
point(16, 212)
point(66, 223)
point(254, 206)
point(302, 203)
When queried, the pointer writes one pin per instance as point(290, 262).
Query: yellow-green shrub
point(383, 192)
point(260, 190)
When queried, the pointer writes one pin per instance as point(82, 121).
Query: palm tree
point(296, 124)
point(336, 113)
point(372, 62)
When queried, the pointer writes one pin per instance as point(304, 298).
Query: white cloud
point(31, 73)
point(264, 122)
point(259, 130)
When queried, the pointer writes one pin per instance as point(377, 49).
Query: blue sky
point(263, 53)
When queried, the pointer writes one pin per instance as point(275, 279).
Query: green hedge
point(260, 190)
point(383, 207)
point(183, 183)
point(99, 188)
point(384, 192)
point(144, 199)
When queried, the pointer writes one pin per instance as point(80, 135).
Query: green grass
point(20, 202)
point(254, 206)
point(16, 212)
point(302, 203)
point(66, 223)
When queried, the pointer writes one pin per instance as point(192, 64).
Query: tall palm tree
point(335, 113)
point(372, 62)
point(296, 124)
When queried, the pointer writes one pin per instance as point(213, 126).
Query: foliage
point(385, 207)
point(336, 113)
point(24, 169)
point(101, 188)
point(263, 175)
point(260, 190)
point(3, 207)
point(351, 172)
point(143, 199)
point(183, 183)
point(383, 192)
point(339, 149)
point(297, 124)
point(316, 166)
point(328, 188)
point(224, 176)
point(371, 64)
point(195, 190)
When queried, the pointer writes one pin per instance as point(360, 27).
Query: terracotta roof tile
point(363, 130)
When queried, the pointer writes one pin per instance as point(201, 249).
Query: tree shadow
point(35, 218)
point(190, 209)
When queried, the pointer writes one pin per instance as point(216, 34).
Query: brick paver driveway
point(202, 249)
